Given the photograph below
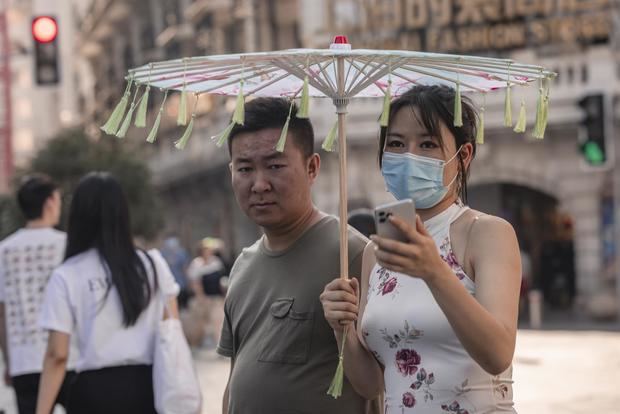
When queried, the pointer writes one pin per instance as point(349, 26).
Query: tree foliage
point(71, 155)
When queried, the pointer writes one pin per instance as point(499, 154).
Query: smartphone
point(403, 209)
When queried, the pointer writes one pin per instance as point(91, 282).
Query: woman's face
point(206, 252)
point(408, 134)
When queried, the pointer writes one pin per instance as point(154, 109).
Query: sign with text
point(465, 26)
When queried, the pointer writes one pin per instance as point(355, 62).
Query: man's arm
point(226, 393)
point(3, 345)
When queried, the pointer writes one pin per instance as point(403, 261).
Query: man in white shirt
point(27, 258)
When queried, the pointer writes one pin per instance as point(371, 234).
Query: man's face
point(272, 188)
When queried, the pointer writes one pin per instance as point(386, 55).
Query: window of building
point(172, 12)
point(128, 57)
point(570, 75)
point(173, 50)
point(147, 38)
point(204, 36)
point(584, 73)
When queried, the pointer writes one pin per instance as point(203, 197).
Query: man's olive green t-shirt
point(283, 350)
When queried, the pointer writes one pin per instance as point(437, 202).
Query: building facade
point(118, 35)
point(6, 117)
point(543, 187)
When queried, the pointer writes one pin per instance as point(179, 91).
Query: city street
point(568, 372)
point(134, 124)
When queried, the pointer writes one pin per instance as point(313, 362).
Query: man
point(283, 353)
point(178, 259)
point(363, 220)
point(27, 258)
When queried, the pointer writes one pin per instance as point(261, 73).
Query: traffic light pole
point(5, 86)
point(613, 127)
point(615, 150)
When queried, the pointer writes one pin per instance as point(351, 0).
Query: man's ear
point(49, 201)
point(314, 165)
point(47, 205)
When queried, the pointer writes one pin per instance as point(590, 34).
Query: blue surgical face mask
point(413, 176)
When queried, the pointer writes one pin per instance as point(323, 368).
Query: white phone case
point(404, 209)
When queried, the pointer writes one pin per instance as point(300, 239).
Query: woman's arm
point(485, 324)
point(195, 279)
point(54, 368)
point(340, 304)
point(172, 308)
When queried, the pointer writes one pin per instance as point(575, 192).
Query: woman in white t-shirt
point(109, 295)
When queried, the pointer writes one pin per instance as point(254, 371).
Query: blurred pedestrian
point(110, 296)
point(27, 258)
point(207, 269)
point(178, 260)
point(206, 272)
point(283, 353)
point(526, 277)
point(437, 315)
point(362, 220)
point(557, 264)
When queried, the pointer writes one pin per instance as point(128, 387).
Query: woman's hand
point(340, 300)
point(418, 258)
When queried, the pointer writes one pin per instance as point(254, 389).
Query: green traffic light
point(593, 153)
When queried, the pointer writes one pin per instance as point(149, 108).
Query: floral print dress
point(427, 370)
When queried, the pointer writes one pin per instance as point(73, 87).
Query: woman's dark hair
point(32, 194)
point(99, 218)
point(435, 104)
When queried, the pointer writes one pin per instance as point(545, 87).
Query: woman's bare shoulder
point(487, 222)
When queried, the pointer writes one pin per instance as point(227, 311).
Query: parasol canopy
point(366, 72)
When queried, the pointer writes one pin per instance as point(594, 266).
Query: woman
point(207, 269)
point(436, 319)
point(108, 295)
point(206, 272)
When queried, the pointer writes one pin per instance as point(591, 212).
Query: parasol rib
point(372, 79)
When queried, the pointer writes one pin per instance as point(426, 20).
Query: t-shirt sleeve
point(225, 347)
point(193, 270)
point(56, 312)
point(357, 244)
point(355, 266)
point(165, 278)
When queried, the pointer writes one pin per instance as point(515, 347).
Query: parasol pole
point(341, 110)
point(341, 102)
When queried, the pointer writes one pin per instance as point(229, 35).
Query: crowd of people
point(426, 325)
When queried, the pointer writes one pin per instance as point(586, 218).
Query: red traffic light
point(44, 29)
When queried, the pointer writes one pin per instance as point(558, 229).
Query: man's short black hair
point(265, 113)
point(34, 190)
